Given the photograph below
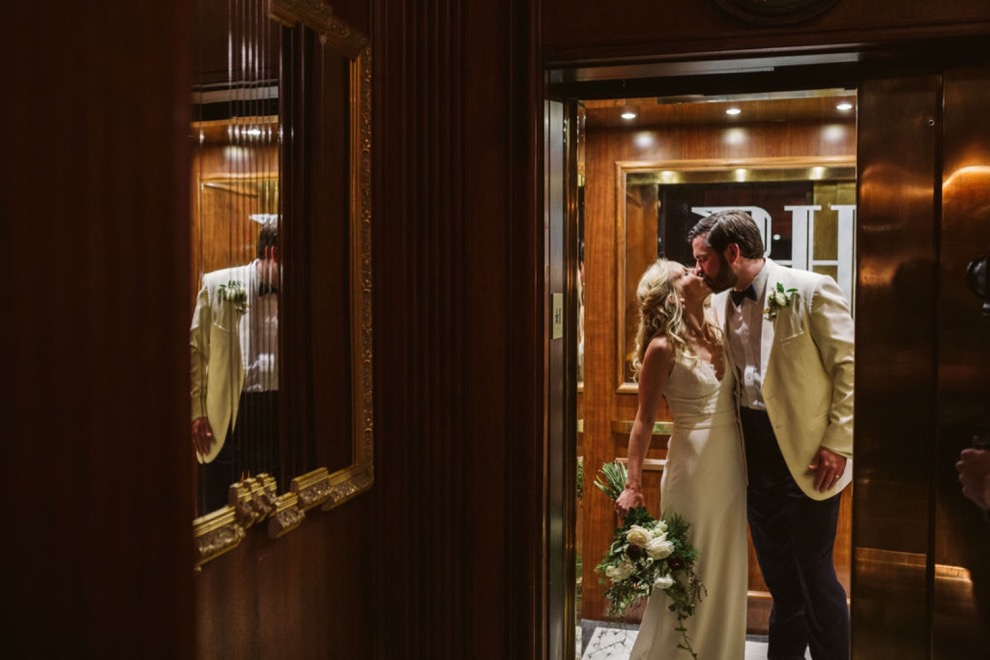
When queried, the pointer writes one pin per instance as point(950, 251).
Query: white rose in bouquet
point(659, 548)
point(638, 536)
point(664, 582)
point(620, 571)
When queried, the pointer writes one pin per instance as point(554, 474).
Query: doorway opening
point(647, 169)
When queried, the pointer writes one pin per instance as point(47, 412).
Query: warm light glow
point(735, 136)
point(628, 114)
point(835, 133)
point(844, 106)
point(733, 111)
point(644, 140)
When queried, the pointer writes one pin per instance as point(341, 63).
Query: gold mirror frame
point(255, 500)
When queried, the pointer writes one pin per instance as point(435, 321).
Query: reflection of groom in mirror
point(234, 372)
point(792, 348)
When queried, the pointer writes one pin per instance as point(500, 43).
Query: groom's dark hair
point(267, 238)
point(723, 228)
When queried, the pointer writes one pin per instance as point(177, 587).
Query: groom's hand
point(202, 435)
point(828, 468)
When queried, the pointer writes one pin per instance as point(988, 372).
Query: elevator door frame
point(871, 631)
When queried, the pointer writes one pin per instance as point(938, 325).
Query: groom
point(792, 350)
point(234, 373)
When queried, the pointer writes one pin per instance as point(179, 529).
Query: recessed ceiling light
point(628, 114)
point(733, 111)
point(844, 106)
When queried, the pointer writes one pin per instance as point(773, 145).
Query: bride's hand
point(630, 498)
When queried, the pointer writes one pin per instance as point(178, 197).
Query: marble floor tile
point(609, 642)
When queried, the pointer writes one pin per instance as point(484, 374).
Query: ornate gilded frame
point(255, 500)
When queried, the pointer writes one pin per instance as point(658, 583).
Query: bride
point(679, 355)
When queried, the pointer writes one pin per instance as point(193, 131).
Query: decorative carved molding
point(311, 13)
point(216, 533)
point(312, 488)
point(775, 12)
point(318, 16)
point(348, 484)
point(287, 516)
point(254, 498)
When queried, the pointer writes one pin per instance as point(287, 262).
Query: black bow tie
point(266, 288)
point(737, 296)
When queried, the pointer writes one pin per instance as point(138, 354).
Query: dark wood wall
point(591, 31)
point(458, 359)
point(443, 558)
point(96, 498)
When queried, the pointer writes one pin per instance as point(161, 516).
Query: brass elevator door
point(961, 602)
point(921, 552)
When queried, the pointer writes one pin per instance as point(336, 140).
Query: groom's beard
point(725, 279)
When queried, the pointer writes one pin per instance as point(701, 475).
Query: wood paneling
point(97, 554)
point(593, 31)
point(679, 112)
point(458, 332)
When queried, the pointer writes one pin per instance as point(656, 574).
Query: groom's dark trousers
point(793, 537)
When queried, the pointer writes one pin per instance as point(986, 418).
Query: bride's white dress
point(703, 481)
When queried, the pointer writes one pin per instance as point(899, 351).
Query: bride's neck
point(694, 322)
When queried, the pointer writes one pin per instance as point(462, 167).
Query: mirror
point(805, 208)
point(281, 245)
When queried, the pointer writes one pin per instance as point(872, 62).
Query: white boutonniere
point(234, 292)
point(777, 299)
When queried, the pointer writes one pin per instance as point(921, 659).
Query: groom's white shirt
point(807, 370)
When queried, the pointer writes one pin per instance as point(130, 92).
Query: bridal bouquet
point(648, 554)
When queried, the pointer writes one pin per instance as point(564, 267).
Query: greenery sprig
point(777, 299)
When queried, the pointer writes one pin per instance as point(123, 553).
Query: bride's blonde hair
point(661, 313)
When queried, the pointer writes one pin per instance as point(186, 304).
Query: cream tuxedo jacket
point(217, 368)
point(808, 371)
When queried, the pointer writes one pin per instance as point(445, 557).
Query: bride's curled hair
point(660, 312)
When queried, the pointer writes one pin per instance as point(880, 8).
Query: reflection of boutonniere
point(777, 299)
point(234, 292)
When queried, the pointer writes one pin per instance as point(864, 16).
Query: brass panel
point(961, 613)
point(895, 375)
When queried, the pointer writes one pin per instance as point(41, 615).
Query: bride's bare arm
point(657, 363)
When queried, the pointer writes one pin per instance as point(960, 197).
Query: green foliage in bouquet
point(648, 554)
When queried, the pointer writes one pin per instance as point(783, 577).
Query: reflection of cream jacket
point(217, 368)
point(807, 366)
